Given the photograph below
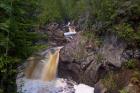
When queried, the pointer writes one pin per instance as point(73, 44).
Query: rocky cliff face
point(88, 64)
point(82, 59)
point(85, 59)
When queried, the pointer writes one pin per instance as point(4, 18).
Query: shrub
point(18, 17)
point(92, 38)
point(7, 73)
point(130, 64)
point(104, 10)
point(99, 58)
point(125, 31)
point(123, 91)
point(61, 10)
point(109, 82)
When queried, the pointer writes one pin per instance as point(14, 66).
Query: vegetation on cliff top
point(21, 18)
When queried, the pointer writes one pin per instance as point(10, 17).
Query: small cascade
point(46, 68)
point(40, 75)
point(50, 69)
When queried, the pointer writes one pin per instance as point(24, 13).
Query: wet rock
point(137, 53)
point(133, 53)
point(112, 50)
point(100, 88)
point(128, 54)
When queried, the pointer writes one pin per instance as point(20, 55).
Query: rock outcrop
point(88, 64)
point(84, 60)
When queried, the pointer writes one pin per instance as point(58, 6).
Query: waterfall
point(40, 76)
point(43, 69)
point(50, 69)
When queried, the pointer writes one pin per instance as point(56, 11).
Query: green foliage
point(123, 91)
point(50, 11)
point(39, 47)
point(119, 16)
point(18, 18)
point(109, 82)
point(92, 38)
point(99, 58)
point(7, 73)
point(130, 64)
point(136, 76)
point(17, 21)
point(103, 10)
point(89, 35)
point(125, 31)
point(61, 10)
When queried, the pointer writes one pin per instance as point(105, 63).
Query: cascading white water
point(40, 76)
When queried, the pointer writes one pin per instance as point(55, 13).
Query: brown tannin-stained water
point(50, 69)
point(44, 68)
